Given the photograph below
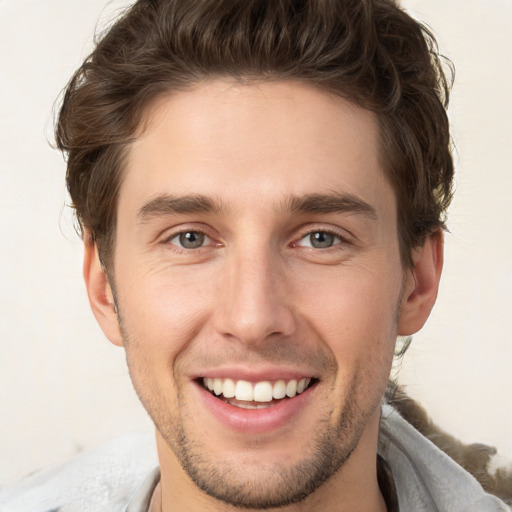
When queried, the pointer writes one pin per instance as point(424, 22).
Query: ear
point(421, 285)
point(99, 292)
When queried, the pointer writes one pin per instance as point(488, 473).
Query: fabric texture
point(101, 480)
point(121, 477)
point(426, 479)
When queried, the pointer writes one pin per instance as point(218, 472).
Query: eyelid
point(341, 234)
point(176, 231)
point(206, 240)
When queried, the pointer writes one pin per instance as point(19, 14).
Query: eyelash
point(339, 239)
point(180, 248)
point(331, 232)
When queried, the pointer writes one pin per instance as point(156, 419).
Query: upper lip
point(254, 375)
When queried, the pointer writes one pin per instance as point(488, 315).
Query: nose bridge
point(254, 304)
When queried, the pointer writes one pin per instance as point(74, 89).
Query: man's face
point(257, 247)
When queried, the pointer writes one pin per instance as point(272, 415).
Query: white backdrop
point(63, 387)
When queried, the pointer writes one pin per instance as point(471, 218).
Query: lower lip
point(255, 421)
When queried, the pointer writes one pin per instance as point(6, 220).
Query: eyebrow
point(330, 203)
point(334, 202)
point(169, 204)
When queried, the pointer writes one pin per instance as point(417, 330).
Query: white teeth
point(261, 392)
point(301, 385)
point(291, 388)
point(217, 386)
point(250, 405)
point(279, 390)
point(243, 391)
point(229, 389)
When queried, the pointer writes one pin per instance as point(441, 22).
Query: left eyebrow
point(168, 205)
point(330, 203)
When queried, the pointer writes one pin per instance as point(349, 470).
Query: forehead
point(261, 141)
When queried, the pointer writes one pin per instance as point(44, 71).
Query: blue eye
point(189, 239)
point(320, 240)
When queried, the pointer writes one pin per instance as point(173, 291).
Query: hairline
point(145, 118)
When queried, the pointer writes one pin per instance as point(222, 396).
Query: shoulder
point(432, 468)
point(103, 479)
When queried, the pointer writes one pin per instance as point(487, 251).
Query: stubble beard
point(279, 485)
point(275, 485)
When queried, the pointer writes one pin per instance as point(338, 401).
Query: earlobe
point(99, 292)
point(421, 285)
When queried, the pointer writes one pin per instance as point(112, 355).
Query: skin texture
point(256, 298)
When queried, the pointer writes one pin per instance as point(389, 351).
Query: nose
point(253, 305)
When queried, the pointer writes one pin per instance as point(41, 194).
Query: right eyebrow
point(168, 204)
point(330, 203)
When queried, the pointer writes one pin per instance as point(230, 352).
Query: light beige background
point(63, 387)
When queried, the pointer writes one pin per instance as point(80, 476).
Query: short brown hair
point(369, 51)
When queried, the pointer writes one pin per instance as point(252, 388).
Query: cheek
point(158, 323)
point(349, 299)
point(159, 320)
point(355, 316)
point(165, 307)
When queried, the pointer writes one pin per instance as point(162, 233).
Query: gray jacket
point(121, 475)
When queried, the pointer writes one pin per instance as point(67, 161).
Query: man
point(262, 189)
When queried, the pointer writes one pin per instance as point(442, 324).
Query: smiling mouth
point(257, 395)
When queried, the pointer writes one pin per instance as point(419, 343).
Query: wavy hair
point(369, 51)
